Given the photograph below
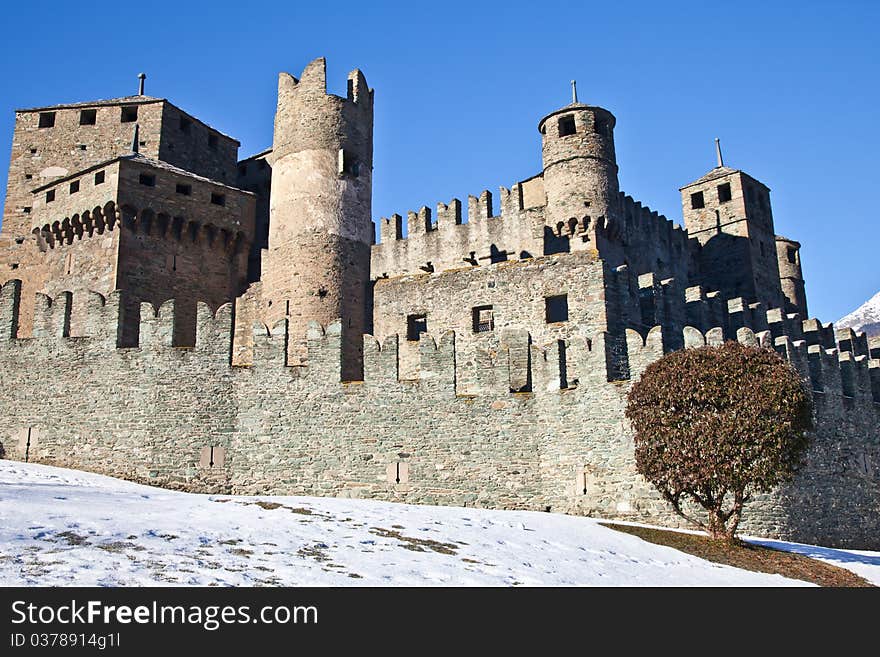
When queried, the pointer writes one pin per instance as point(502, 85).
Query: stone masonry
point(175, 317)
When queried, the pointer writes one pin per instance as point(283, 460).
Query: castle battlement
point(234, 328)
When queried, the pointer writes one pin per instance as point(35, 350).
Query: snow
point(864, 318)
point(65, 527)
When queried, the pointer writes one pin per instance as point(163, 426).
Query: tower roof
point(123, 100)
point(570, 107)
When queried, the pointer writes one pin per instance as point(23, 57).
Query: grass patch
point(756, 558)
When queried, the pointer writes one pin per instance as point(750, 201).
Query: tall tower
point(788, 253)
point(580, 170)
point(317, 266)
point(729, 213)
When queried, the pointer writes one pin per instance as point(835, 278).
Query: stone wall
point(154, 413)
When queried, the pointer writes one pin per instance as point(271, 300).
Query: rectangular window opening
point(218, 199)
point(556, 308)
point(129, 114)
point(74, 187)
point(566, 125)
point(724, 194)
point(147, 179)
point(348, 164)
point(47, 119)
point(791, 253)
point(50, 196)
point(186, 190)
point(697, 201)
point(88, 117)
point(415, 325)
point(99, 177)
point(483, 319)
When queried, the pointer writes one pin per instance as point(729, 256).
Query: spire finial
point(574, 91)
point(718, 152)
point(141, 78)
point(134, 140)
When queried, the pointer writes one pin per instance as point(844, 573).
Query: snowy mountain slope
point(64, 527)
point(864, 318)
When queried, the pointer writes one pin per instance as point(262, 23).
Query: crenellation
point(249, 336)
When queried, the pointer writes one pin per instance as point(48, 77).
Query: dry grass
point(748, 557)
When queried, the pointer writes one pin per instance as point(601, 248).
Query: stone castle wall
point(186, 418)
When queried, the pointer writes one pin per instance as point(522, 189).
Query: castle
point(178, 317)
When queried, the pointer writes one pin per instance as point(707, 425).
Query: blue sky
point(790, 88)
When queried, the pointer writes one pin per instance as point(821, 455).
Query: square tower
point(728, 212)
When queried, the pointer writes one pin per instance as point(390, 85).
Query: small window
point(33, 151)
point(348, 164)
point(567, 126)
point(697, 201)
point(186, 190)
point(99, 177)
point(147, 180)
point(556, 308)
point(185, 125)
point(724, 193)
point(28, 176)
point(242, 169)
point(88, 117)
point(26, 210)
point(82, 147)
point(47, 119)
point(415, 325)
point(129, 114)
point(218, 199)
point(74, 187)
point(212, 141)
point(791, 253)
point(483, 319)
point(50, 196)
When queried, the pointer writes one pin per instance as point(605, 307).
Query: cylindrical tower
point(580, 168)
point(317, 266)
point(788, 254)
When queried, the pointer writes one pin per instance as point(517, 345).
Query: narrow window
point(791, 253)
point(147, 179)
point(566, 125)
point(724, 194)
point(33, 151)
point(26, 210)
point(218, 199)
point(47, 119)
point(28, 176)
point(74, 187)
point(212, 141)
point(348, 164)
point(416, 324)
point(697, 201)
point(556, 308)
point(129, 114)
point(186, 190)
point(185, 125)
point(88, 117)
point(50, 196)
point(99, 177)
point(483, 319)
point(69, 264)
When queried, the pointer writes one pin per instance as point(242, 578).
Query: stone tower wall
point(185, 418)
point(318, 261)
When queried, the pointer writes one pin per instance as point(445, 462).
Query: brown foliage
point(716, 424)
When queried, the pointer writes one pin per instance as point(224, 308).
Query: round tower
point(317, 266)
point(580, 168)
point(788, 254)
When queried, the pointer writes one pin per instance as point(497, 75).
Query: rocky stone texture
point(507, 332)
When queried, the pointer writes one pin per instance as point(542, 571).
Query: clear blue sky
point(791, 89)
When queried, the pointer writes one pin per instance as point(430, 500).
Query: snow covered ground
point(64, 527)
